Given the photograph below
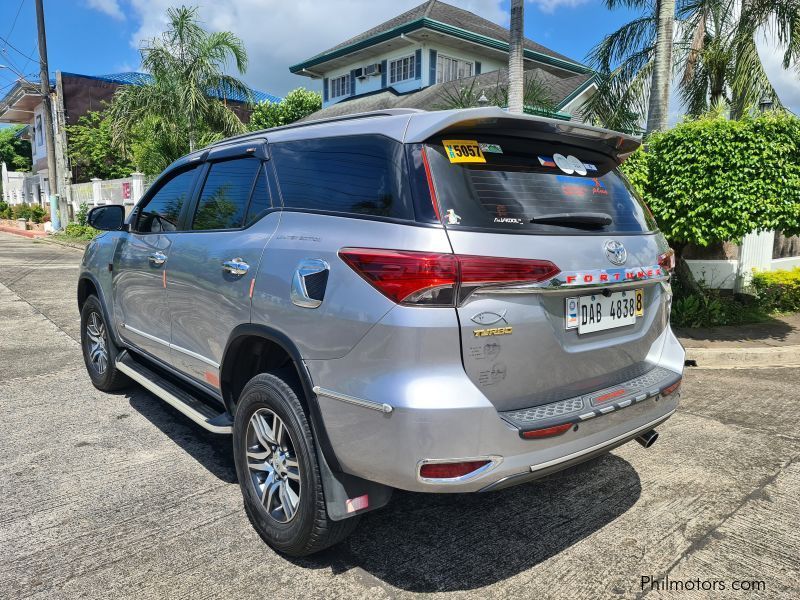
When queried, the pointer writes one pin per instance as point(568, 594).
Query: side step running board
point(183, 401)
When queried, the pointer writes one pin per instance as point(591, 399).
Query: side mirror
point(107, 218)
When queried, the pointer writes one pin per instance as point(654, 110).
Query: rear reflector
point(427, 278)
point(450, 470)
point(546, 432)
point(672, 388)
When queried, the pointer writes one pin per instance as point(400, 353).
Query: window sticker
point(547, 161)
point(569, 164)
point(511, 220)
point(590, 166)
point(577, 165)
point(451, 217)
point(577, 186)
point(463, 151)
point(491, 149)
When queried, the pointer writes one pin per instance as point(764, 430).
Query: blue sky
point(102, 36)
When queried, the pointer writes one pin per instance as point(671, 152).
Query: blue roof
point(137, 78)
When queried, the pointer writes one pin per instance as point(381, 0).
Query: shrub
point(80, 232)
point(3, 206)
point(7, 213)
point(37, 214)
point(778, 290)
point(21, 211)
point(83, 211)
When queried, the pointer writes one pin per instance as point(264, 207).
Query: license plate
point(598, 312)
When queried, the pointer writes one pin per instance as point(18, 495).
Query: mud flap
point(347, 495)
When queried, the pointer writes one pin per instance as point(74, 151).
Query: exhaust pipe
point(648, 438)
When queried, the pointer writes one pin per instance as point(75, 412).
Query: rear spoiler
point(493, 120)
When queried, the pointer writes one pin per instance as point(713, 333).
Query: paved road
point(118, 496)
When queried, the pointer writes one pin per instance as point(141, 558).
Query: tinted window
point(360, 175)
point(162, 211)
point(520, 182)
point(261, 200)
point(225, 195)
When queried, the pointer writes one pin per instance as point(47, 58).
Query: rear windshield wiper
point(575, 219)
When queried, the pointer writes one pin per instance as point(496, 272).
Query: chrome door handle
point(157, 258)
point(235, 266)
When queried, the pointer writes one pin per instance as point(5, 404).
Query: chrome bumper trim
point(379, 406)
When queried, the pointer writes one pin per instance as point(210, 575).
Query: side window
point(261, 200)
point(226, 194)
point(363, 175)
point(162, 210)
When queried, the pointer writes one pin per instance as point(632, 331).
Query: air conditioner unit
point(373, 69)
point(359, 73)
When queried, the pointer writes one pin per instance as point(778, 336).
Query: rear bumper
point(425, 408)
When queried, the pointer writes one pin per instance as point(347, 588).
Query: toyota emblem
point(615, 252)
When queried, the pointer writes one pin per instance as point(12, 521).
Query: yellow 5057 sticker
point(463, 151)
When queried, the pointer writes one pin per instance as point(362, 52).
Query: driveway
point(119, 496)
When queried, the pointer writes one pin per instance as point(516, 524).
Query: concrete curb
point(23, 232)
point(741, 358)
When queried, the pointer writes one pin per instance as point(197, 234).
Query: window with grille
point(340, 86)
point(402, 69)
point(448, 69)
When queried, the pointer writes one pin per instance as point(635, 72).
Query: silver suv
point(452, 301)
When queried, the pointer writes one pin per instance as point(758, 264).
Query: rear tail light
point(546, 432)
point(451, 470)
point(667, 260)
point(425, 278)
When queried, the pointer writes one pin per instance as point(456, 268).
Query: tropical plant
point(91, 150)
point(661, 83)
point(714, 52)
point(187, 89)
point(467, 94)
point(295, 105)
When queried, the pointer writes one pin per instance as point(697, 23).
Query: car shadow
point(437, 542)
point(213, 451)
point(444, 542)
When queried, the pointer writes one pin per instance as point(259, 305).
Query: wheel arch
point(88, 285)
point(231, 380)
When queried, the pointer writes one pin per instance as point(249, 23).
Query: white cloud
point(280, 33)
point(550, 6)
point(109, 7)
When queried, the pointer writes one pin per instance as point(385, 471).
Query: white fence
point(125, 191)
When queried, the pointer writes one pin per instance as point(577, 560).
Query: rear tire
point(99, 351)
point(276, 464)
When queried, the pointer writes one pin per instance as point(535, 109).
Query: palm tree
point(188, 79)
point(714, 51)
point(658, 110)
point(516, 76)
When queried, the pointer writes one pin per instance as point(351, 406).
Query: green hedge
point(778, 290)
point(80, 232)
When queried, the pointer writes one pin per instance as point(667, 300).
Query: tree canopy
point(15, 152)
point(297, 104)
point(183, 107)
point(91, 152)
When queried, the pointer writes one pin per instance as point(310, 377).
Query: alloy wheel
point(273, 465)
point(96, 343)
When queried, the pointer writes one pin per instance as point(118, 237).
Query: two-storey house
point(408, 60)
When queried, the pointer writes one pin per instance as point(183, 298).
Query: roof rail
point(389, 112)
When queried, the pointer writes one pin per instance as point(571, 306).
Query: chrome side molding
point(379, 406)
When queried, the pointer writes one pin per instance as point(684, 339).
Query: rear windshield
point(505, 183)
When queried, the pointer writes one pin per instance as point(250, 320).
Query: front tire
point(99, 350)
point(278, 473)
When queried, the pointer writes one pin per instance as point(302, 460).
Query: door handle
point(157, 258)
point(235, 266)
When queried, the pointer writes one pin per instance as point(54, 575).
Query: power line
point(14, 23)
point(15, 49)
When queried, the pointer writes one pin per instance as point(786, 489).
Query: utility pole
point(44, 76)
point(516, 74)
